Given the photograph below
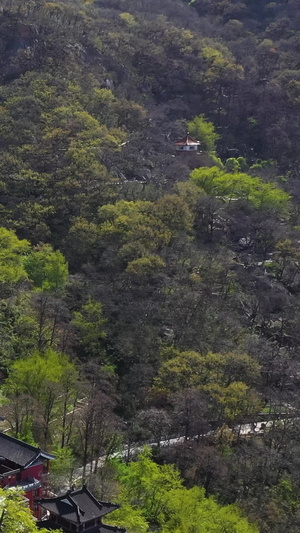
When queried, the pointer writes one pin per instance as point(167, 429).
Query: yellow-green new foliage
point(90, 322)
point(51, 370)
point(145, 266)
point(15, 515)
point(216, 182)
point(145, 485)
point(156, 496)
point(189, 511)
point(204, 131)
point(12, 252)
point(45, 380)
point(190, 369)
point(227, 379)
point(47, 268)
point(139, 229)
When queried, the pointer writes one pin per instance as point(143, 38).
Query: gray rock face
point(16, 38)
point(18, 35)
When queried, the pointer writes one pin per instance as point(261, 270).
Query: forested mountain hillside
point(145, 294)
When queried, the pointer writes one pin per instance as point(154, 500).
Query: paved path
point(255, 428)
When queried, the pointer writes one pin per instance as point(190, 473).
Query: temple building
point(187, 144)
point(24, 467)
point(75, 511)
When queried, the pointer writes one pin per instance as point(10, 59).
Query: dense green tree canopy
point(147, 294)
point(159, 493)
point(46, 268)
point(236, 186)
point(12, 252)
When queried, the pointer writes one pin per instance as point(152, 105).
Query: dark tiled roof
point(20, 452)
point(78, 506)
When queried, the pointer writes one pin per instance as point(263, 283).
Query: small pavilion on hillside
point(76, 511)
point(187, 144)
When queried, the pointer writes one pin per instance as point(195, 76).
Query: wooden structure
point(24, 467)
point(75, 511)
point(187, 144)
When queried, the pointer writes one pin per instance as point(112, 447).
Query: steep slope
point(181, 311)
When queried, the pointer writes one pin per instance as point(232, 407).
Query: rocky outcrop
point(17, 35)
